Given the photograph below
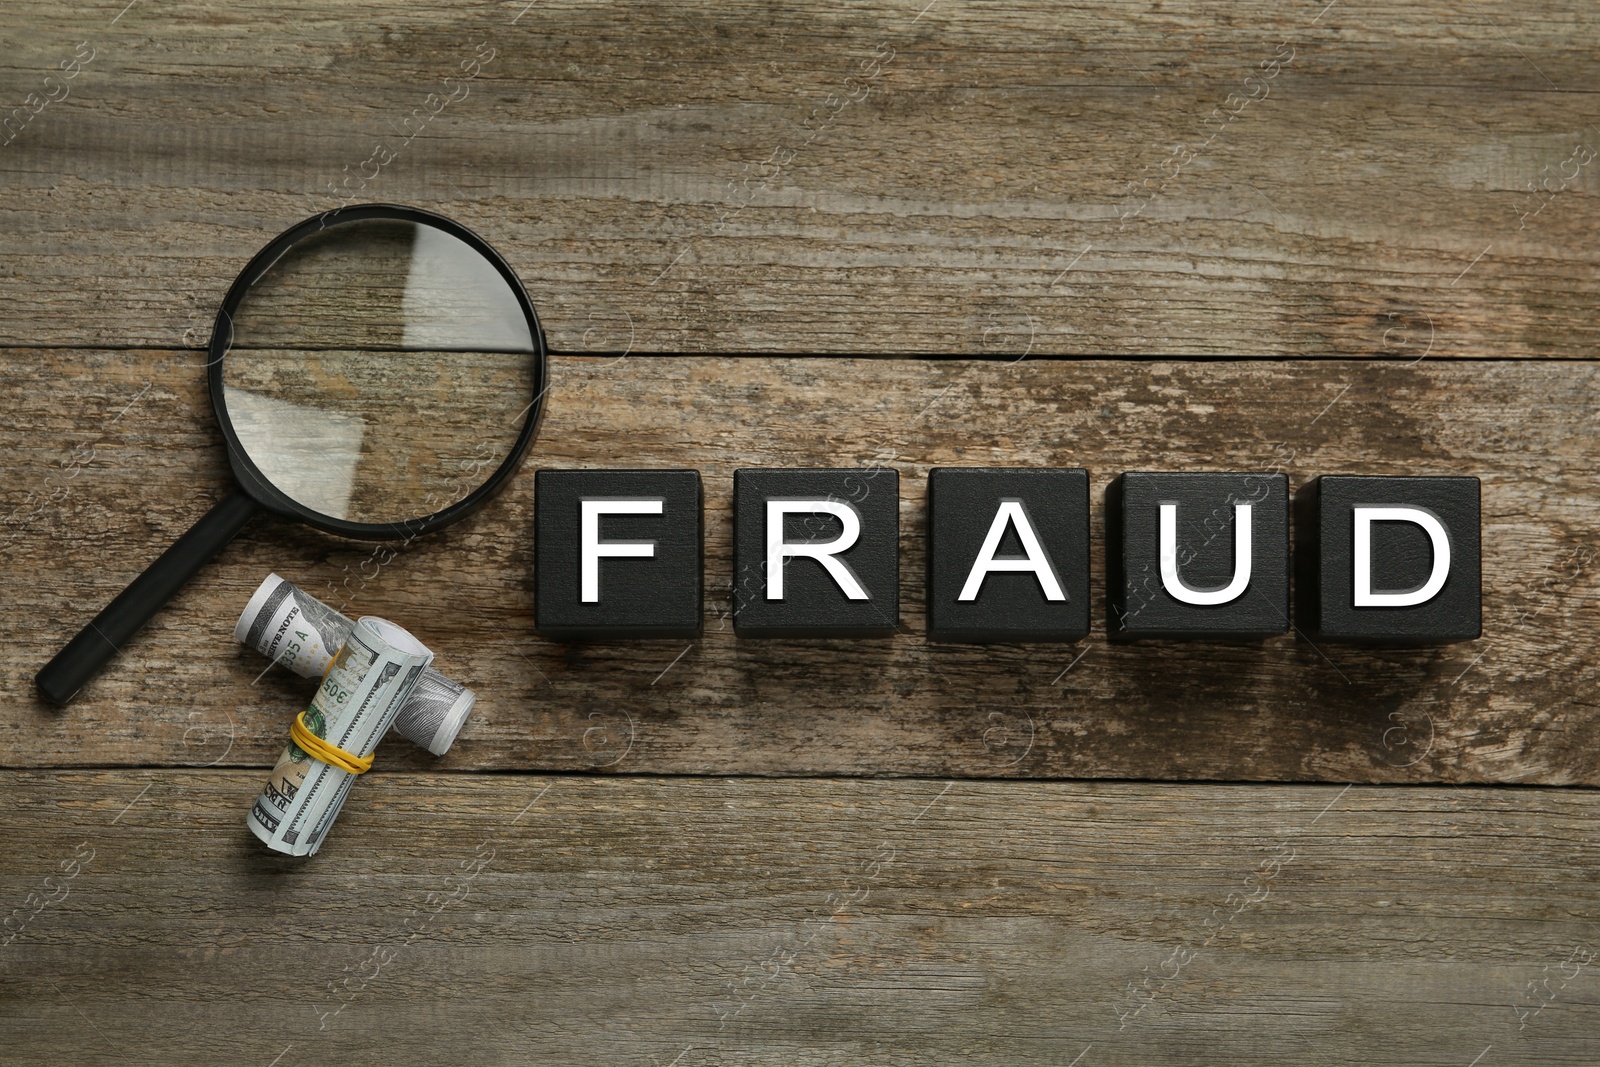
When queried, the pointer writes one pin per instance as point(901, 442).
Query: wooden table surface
point(1309, 238)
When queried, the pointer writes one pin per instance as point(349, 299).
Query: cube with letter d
point(617, 553)
point(816, 552)
point(1389, 560)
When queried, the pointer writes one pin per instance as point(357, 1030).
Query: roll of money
point(290, 626)
point(372, 674)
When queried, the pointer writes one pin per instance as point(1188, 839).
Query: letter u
point(1174, 584)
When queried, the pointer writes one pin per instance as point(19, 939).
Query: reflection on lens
point(379, 371)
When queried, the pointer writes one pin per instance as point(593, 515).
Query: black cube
point(1008, 554)
point(828, 565)
point(617, 553)
point(1389, 560)
point(1203, 589)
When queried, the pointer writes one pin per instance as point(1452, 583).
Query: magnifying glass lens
point(379, 371)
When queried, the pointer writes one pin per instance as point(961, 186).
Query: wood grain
point(902, 178)
point(514, 919)
point(1399, 199)
point(1515, 706)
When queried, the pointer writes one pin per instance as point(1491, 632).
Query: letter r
point(826, 553)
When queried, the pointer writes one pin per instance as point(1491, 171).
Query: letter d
point(1410, 598)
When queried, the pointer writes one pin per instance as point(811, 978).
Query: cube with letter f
point(617, 553)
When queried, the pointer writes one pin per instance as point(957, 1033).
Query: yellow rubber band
point(320, 750)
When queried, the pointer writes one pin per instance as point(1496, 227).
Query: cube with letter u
point(1197, 555)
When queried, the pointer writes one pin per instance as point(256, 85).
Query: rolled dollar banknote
point(372, 674)
point(290, 626)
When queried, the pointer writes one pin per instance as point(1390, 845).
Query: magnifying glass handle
point(103, 638)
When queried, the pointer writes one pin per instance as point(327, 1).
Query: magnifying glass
point(378, 372)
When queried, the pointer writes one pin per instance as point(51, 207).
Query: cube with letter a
point(617, 553)
point(1008, 554)
point(816, 552)
point(1389, 560)
point(1197, 555)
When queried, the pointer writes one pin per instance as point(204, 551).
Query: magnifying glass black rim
point(249, 475)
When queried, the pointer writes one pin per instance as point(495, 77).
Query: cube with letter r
point(1389, 560)
point(1197, 555)
point(1008, 554)
point(816, 552)
point(617, 553)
